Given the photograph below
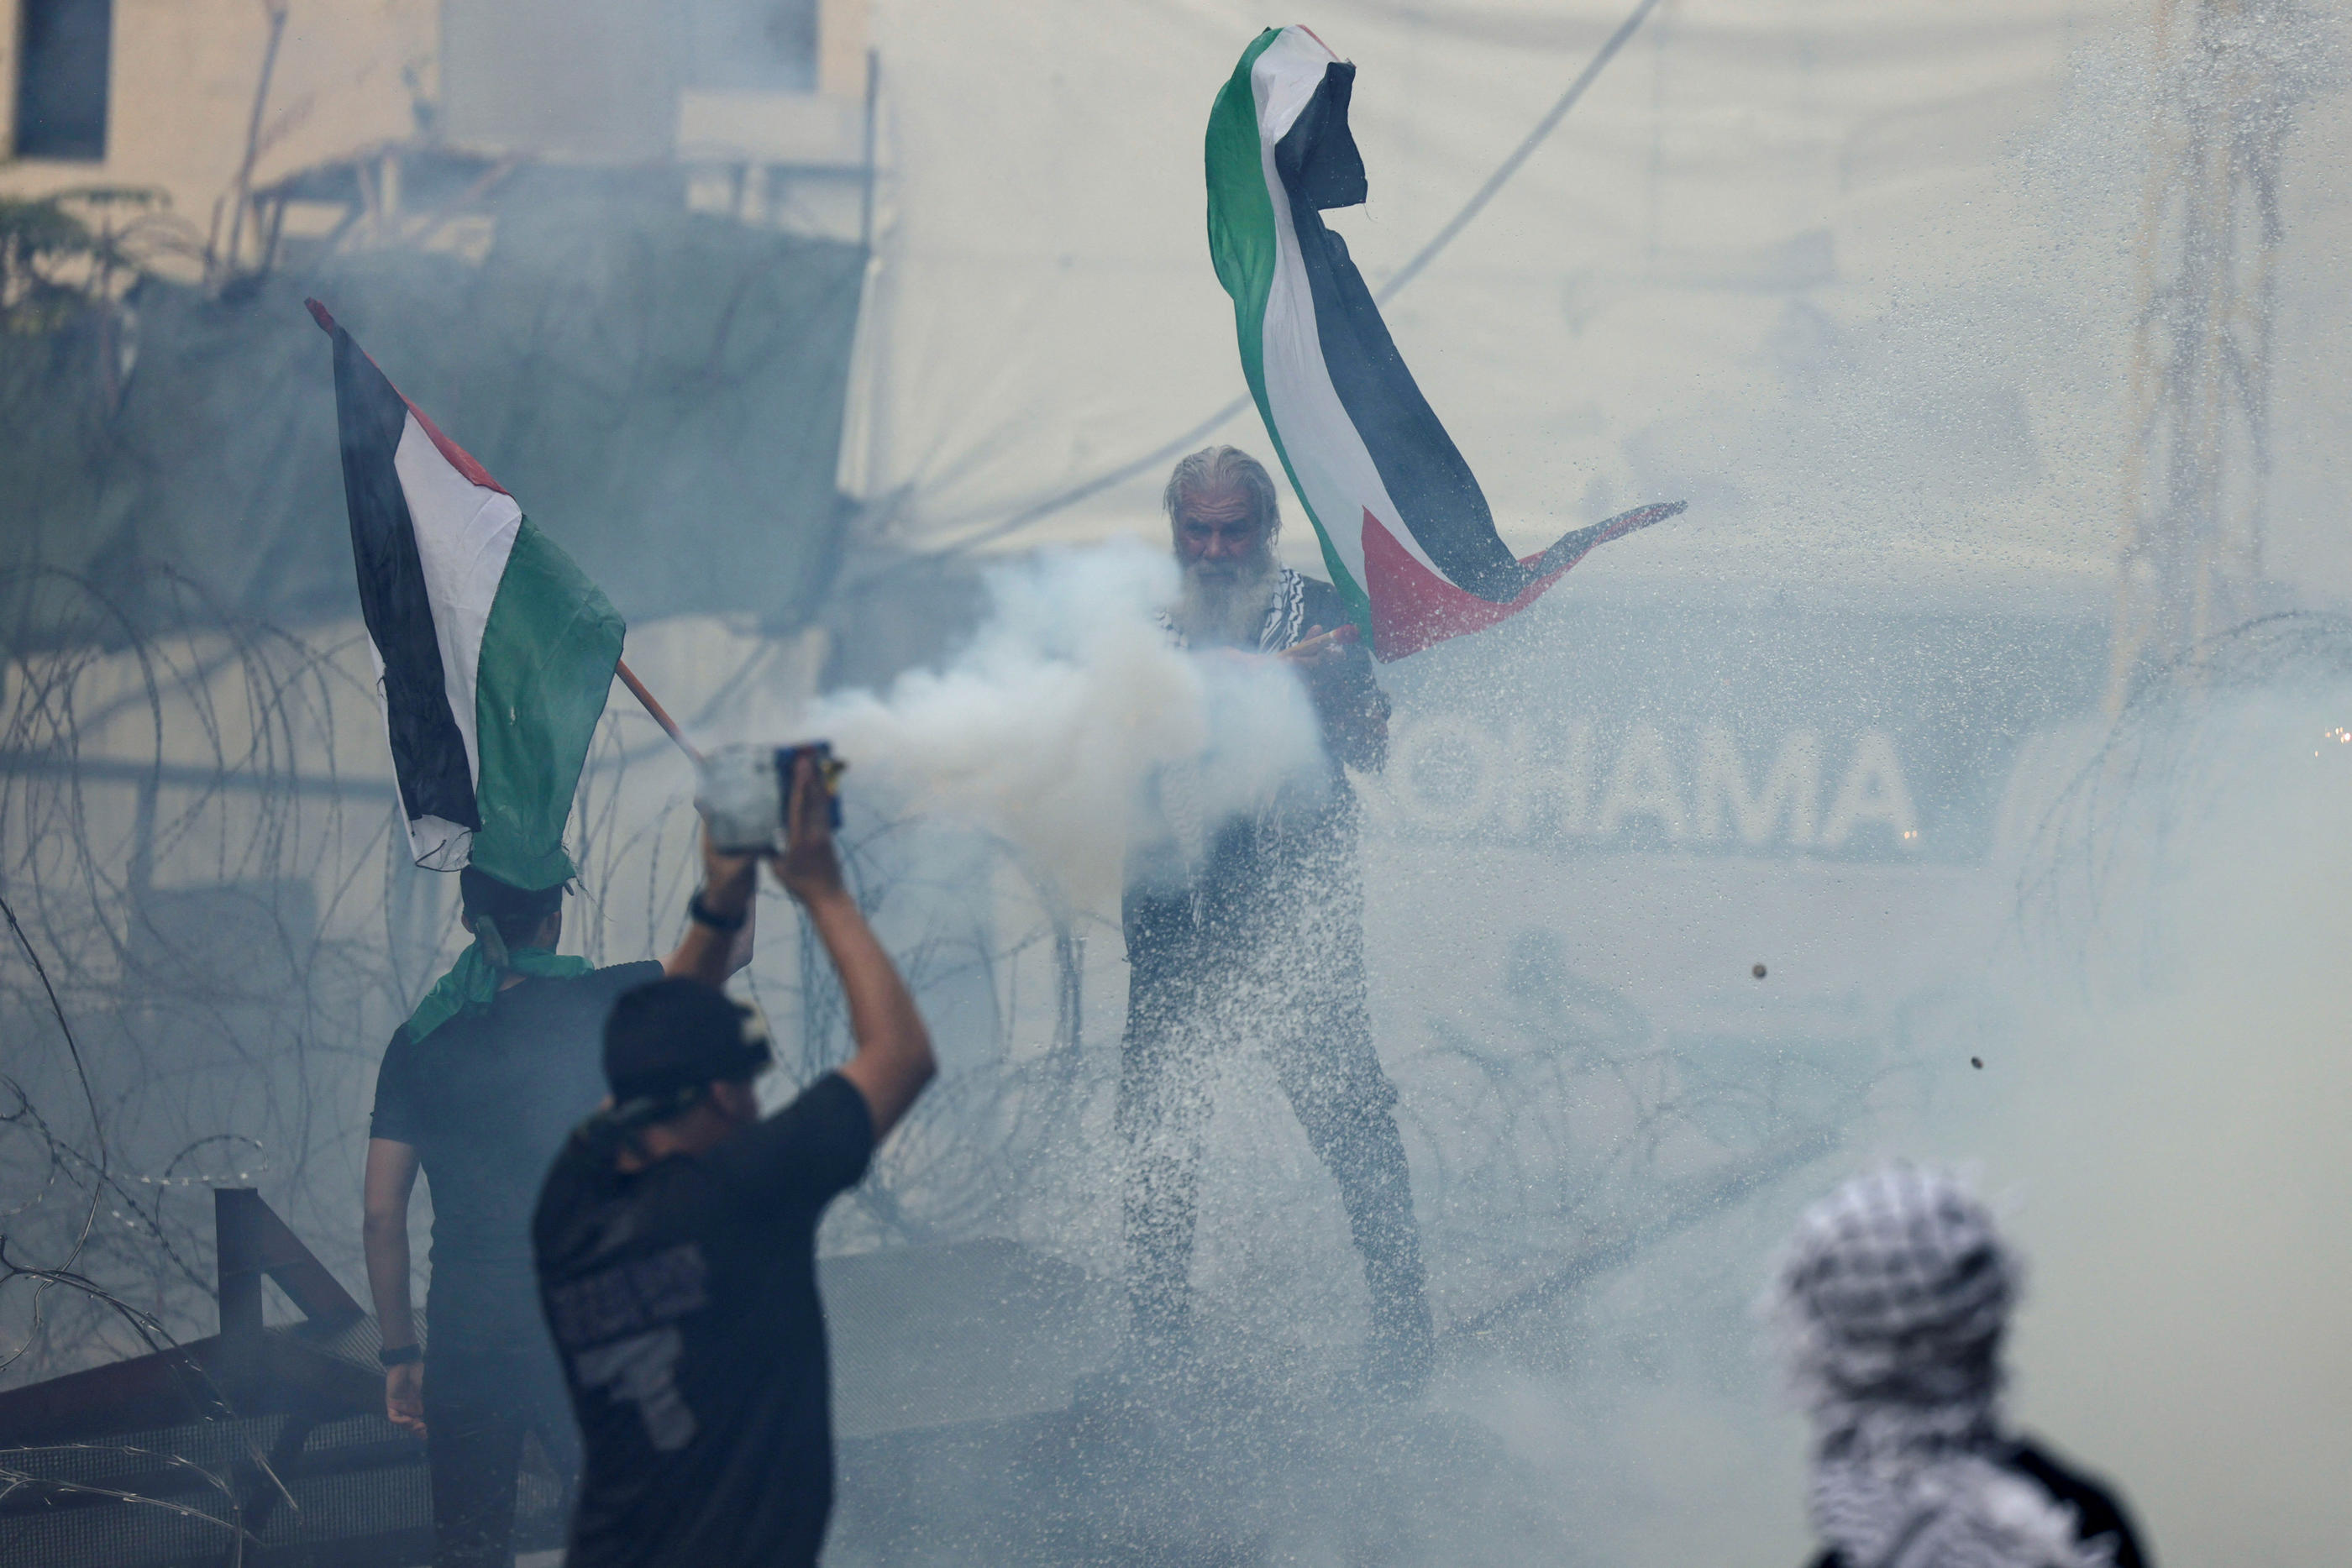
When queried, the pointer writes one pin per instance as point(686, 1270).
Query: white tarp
point(1855, 277)
point(1782, 259)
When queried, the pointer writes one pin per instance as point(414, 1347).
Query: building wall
point(348, 75)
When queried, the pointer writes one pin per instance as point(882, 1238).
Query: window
point(61, 78)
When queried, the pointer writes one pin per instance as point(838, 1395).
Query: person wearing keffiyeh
point(1891, 1304)
point(1248, 934)
point(479, 1089)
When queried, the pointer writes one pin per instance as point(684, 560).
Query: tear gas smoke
point(1877, 326)
point(1046, 727)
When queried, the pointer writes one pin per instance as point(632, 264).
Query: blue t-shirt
point(486, 1100)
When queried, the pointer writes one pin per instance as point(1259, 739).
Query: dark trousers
point(1266, 953)
point(477, 1406)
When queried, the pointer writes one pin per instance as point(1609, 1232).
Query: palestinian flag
point(494, 654)
point(1405, 530)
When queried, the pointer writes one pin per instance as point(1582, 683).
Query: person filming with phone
point(675, 1240)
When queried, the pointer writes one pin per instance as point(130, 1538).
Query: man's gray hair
point(1216, 469)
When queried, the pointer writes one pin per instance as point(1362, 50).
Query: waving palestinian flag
point(1405, 529)
point(494, 654)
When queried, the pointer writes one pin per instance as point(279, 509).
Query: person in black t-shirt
point(675, 1240)
point(1892, 1303)
point(479, 1089)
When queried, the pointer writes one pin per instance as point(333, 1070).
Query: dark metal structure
point(263, 1445)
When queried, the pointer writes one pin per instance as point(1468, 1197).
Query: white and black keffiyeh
point(1180, 783)
point(1890, 1302)
point(1286, 615)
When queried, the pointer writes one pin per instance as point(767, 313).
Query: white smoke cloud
point(1046, 729)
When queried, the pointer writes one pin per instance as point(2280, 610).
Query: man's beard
point(1226, 610)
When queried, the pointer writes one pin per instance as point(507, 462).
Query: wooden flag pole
point(653, 706)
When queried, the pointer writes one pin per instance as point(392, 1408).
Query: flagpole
point(653, 706)
point(326, 320)
point(319, 314)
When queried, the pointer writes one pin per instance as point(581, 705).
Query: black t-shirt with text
point(487, 1101)
point(684, 1304)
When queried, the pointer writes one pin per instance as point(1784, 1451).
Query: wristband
point(702, 914)
point(401, 1355)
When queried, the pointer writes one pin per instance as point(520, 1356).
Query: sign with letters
point(1883, 737)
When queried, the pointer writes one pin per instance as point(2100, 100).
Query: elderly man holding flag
point(496, 656)
point(1253, 931)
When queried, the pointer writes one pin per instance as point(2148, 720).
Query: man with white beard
point(1249, 933)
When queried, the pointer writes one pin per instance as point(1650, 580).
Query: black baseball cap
point(677, 1034)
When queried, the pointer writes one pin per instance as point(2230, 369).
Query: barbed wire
point(2120, 827)
point(175, 855)
point(215, 923)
